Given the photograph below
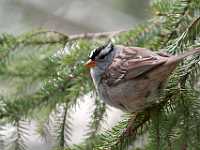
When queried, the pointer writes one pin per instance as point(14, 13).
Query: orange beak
point(90, 63)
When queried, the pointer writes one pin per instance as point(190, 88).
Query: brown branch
point(83, 35)
point(95, 35)
point(26, 42)
point(66, 38)
point(194, 22)
point(49, 31)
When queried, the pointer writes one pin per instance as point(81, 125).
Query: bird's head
point(100, 56)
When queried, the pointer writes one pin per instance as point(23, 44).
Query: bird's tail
point(177, 59)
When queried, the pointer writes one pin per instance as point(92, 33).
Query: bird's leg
point(130, 129)
point(134, 123)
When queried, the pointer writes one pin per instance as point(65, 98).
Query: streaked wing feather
point(131, 63)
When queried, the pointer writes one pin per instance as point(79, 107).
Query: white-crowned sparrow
point(129, 78)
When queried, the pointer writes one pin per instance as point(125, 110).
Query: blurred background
point(71, 17)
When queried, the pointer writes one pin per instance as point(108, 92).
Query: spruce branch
point(176, 25)
point(18, 137)
point(189, 34)
point(97, 118)
point(31, 38)
point(41, 37)
point(61, 125)
point(124, 133)
point(96, 35)
point(20, 145)
point(64, 123)
point(174, 128)
point(136, 121)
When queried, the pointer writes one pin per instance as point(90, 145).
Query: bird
point(130, 78)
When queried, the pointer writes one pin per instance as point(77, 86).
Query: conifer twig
point(177, 24)
point(194, 22)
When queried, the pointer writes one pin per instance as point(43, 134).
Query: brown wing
point(130, 63)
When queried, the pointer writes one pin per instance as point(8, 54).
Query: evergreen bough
point(42, 78)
